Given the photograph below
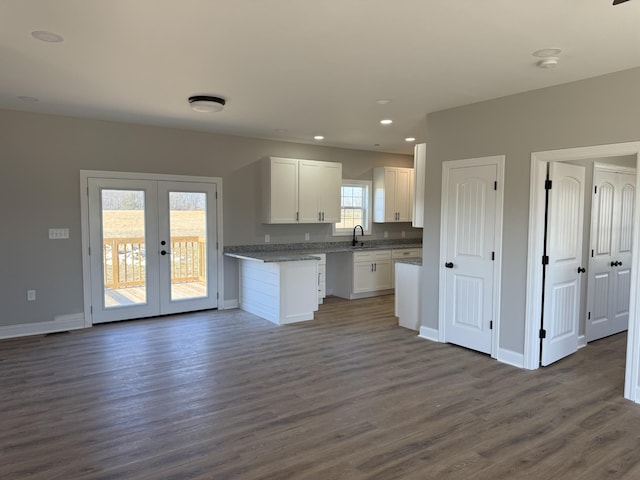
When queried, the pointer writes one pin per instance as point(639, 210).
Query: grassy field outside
point(130, 223)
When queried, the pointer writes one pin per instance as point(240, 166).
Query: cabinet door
point(382, 275)
point(309, 191)
point(390, 192)
point(331, 182)
point(363, 278)
point(403, 195)
point(281, 191)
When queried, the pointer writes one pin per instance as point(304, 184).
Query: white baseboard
point(510, 357)
point(229, 304)
point(428, 333)
point(582, 341)
point(60, 323)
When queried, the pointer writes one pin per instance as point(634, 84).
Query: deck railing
point(188, 261)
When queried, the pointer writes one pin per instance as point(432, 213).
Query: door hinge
point(91, 309)
point(592, 253)
point(490, 324)
point(589, 316)
point(297, 216)
point(216, 195)
point(495, 185)
point(217, 246)
point(595, 189)
point(89, 251)
point(493, 256)
point(547, 184)
point(545, 259)
point(217, 295)
point(543, 333)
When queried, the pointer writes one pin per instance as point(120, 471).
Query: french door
point(610, 259)
point(152, 247)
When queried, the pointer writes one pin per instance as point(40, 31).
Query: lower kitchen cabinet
point(360, 274)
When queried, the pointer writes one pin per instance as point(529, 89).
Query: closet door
point(610, 258)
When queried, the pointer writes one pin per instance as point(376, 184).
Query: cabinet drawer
point(406, 253)
point(372, 256)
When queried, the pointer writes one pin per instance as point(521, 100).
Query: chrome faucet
point(355, 239)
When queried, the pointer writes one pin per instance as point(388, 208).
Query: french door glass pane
point(123, 247)
point(188, 234)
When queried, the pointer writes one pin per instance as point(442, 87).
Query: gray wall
point(596, 111)
point(39, 188)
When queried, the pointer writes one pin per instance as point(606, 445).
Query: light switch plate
point(58, 233)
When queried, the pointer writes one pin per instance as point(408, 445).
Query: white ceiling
point(291, 69)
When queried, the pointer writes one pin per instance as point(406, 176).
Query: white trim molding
point(533, 312)
point(229, 304)
point(510, 357)
point(60, 323)
point(429, 333)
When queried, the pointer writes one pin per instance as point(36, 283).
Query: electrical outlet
point(306, 237)
point(31, 295)
point(386, 234)
point(267, 238)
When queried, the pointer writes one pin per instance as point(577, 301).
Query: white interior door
point(152, 247)
point(561, 309)
point(610, 259)
point(468, 261)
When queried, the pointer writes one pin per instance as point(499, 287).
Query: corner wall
point(595, 111)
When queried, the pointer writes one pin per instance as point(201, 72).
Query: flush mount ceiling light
point(383, 101)
point(318, 137)
point(386, 122)
point(549, 62)
point(547, 52)
point(410, 139)
point(45, 36)
point(206, 104)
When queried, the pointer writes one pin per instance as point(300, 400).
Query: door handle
point(619, 264)
point(449, 265)
point(616, 264)
point(163, 252)
point(581, 269)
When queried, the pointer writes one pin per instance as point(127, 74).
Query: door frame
point(533, 312)
point(447, 166)
point(84, 225)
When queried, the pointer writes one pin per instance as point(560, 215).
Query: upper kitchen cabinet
point(319, 191)
point(300, 191)
point(392, 194)
point(419, 167)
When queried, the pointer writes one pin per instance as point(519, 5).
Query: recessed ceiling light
point(376, 144)
point(45, 36)
point(547, 52)
point(386, 122)
point(318, 137)
point(383, 101)
point(206, 104)
point(27, 99)
point(410, 139)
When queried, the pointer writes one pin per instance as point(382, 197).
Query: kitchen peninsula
point(281, 282)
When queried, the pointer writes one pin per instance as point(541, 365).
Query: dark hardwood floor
point(350, 395)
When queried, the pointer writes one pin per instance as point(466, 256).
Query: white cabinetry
point(392, 194)
point(419, 167)
point(371, 271)
point(408, 295)
point(360, 274)
point(322, 277)
point(319, 191)
point(300, 191)
point(405, 253)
